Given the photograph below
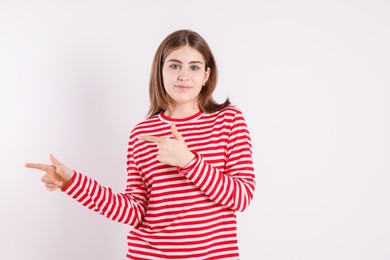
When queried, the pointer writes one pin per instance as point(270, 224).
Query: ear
point(207, 75)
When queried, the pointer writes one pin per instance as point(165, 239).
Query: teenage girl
point(189, 164)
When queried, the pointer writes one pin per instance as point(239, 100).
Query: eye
point(194, 67)
point(174, 66)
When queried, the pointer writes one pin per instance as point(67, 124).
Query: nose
point(183, 76)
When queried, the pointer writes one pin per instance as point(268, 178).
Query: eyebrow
point(177, 61)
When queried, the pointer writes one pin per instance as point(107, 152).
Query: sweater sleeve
point(233, 186)
point(128, 207)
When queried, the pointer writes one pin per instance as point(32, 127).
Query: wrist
point(67, 180)
point(190, 157)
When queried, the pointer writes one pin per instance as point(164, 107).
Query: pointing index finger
point(150, 138)
point(38, 166)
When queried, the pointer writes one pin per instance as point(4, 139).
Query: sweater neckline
point(171, 120)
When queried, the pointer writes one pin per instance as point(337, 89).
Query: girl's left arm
point(234, 186)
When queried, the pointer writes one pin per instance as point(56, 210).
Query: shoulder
point(145, 126)
point(228, 117)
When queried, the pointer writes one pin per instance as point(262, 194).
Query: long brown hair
point(159, 99)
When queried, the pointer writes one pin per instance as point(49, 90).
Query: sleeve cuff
point(69, 182)
point(191, 165)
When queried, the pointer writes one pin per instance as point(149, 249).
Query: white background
point(311, 77)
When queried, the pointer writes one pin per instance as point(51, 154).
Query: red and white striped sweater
point(180, 213)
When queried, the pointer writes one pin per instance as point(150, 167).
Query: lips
point(183, 86)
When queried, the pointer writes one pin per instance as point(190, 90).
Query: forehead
point(185, 54)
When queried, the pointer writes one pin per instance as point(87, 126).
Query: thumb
point(54, 160)
point(176, 133)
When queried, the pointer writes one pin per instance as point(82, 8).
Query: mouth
point(183, 87)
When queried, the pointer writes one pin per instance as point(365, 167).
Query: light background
point(311, 77)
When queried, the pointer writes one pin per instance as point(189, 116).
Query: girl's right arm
point(128, 207)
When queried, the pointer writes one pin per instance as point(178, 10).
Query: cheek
point(168, 76)
point(200, 78)
point(165, 78)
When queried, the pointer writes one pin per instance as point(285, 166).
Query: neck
point(181, 111)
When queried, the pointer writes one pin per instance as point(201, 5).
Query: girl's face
point(184, 73)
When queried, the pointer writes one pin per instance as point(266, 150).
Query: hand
point(57, 175)
point(172, 151)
